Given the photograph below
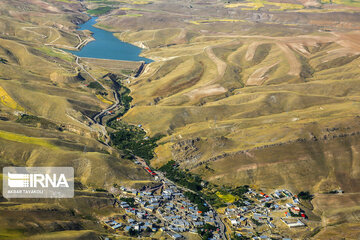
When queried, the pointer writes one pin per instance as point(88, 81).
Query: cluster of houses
point(259, 211)
point(164, 208)
point(113, 224)
point(137, 220)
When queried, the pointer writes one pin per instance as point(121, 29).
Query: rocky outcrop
point(188, 151)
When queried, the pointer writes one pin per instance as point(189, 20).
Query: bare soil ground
point(113, 65)
point(295, 66)
point(220, 64)
point(206, 91)
point(251, 51)
point(259, 76)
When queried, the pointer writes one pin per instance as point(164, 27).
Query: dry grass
point(279, 109)
point(44, 81)
point(305, 84)
point(70, 234)
point(257, 4)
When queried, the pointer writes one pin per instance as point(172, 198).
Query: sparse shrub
point(100, 190)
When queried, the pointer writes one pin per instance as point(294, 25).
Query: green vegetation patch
point(306, 70)
point(100, 190)
point(132, 140)
point(100, 11)
point(217, 197)
point(256, 222)
point(95, 85)
point(130, 201)
point(193, 182)
point(52, 53)
point(125, 99)
point(206, 231)
point(129, 138)
point(25, 139)
point(237, 195)
point(196, 199)
point(35, 121)
point(226, 197)
point(181, 177)
point(240, 191)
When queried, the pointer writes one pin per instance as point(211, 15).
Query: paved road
point(97, 120)
point(98, 117)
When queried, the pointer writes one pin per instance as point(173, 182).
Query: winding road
point(97, 119)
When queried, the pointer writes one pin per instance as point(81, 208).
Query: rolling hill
point(45, 109)
point(263, 93)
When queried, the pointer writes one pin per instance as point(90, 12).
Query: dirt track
point(220, 64)
point(251, 51)
point(206, 91)
point(259, 75)
point(294, 64)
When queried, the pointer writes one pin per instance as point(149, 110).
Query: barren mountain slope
point(45, 110)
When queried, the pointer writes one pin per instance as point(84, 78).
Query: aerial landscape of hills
point(238, 112)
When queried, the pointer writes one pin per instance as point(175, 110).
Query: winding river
point(107, 46)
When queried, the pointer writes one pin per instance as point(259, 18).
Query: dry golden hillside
point(264, 93)
point(45, 110)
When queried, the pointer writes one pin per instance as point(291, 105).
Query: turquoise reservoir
point(107, 46)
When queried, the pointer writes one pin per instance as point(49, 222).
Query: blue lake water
point(107, 46)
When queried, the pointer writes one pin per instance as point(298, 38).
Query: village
point(258, 215)
point(170, 212)
point(161, 208)
point(164, 208)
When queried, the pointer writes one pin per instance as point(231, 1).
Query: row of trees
point(181, 177)
point(134, 142)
